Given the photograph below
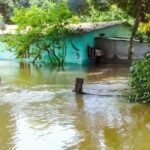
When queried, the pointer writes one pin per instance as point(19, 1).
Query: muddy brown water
point(39, 111)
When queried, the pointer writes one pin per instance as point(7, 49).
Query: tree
point(135, 8)
point(135, 28)
point(138, 9)
point(42, 30)
point(7, 6)
point(139, 76)
point(5, 9)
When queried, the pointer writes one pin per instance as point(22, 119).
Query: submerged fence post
point(79, 85)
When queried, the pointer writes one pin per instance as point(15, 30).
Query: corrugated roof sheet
point(88, 27)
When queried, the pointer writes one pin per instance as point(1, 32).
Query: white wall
point(119, 47)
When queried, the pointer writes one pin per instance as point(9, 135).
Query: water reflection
point(25, 70)
point(112, 139)
point(38, 110)
point(7, 127)
point(83, 125)
point(106, 72)
point(50, 125)
point(29, 74)
point(80, 102)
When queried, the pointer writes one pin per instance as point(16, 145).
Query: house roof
point(77, 28)
point(88, 27)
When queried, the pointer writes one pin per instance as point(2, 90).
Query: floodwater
point(39, 111)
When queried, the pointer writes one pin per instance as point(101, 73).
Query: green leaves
point(42, 30)
point(139, 80)
point(114, 13)
point(145, 26)
point(40, 20)
point(31, 17)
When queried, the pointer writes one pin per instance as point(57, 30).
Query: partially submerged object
point(79, 85)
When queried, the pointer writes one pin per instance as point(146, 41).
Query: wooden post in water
point(78, 85)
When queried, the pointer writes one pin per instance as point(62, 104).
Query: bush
point(139, 80)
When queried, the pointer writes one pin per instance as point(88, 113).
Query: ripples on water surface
point(38, 110)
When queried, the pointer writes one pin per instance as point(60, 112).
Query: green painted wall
point(79, 42)
point(82, 40)
point(122, 31)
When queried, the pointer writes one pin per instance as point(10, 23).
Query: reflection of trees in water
point(42, 73)
point(25, 68)
point(24, 72)
point(7, 127)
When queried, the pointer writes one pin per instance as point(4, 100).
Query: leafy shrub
point(139, 80)
point(114, 13)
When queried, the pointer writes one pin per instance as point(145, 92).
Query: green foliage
point(145, 26)
point(1, 17)
point(145, 29)
point(42, 30)
point(114, 13)
point(132, 6)
point(139, 80)
point(100, 5)
point(5, 9)
point(7, 6)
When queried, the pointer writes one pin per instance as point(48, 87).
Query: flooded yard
point(39, 111)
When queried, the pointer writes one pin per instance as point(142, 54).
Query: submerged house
point(87, 35)
point(107, 39)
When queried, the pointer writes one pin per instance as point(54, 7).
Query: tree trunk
point(3, 9)
point(134, 30)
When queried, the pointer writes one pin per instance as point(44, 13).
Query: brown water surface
point(39, 111)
